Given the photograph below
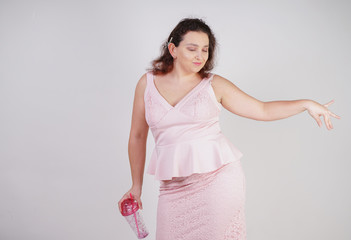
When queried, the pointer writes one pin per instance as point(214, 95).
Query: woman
point(202, 185)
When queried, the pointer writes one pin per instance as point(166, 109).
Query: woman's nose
point(199, 55)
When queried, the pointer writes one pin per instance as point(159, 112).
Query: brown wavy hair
point(164, 63)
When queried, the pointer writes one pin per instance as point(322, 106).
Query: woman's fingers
point(120, 202)
point(334, 115)
point(319, 122)
point(327, 121)
point(139, 202)
point(133, 193)
point(125, 196)
point(327, 115)
point(329, 103)
point(137, 198)
point(317, 111)
point(330, 113)
point(330, 123)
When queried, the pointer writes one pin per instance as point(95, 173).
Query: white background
point(68, 71)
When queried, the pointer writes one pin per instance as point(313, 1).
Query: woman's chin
point(197, 69)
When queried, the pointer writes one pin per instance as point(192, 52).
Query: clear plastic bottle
point(131, 212)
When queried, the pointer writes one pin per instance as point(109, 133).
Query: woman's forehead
point(196, 38)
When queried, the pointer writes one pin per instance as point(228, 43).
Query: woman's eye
point(192, 49)
point(205, 50)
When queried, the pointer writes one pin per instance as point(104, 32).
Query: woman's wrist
point(306, 104)
point(137, 187)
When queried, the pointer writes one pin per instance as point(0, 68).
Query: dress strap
point(149, 78)
point(212, 93)
point(149, 82)
point(210, 78)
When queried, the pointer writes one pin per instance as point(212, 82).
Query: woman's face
point(192, 52)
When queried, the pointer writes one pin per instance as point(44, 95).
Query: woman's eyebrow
point(193, 44)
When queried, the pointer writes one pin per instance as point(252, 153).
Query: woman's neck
point(178, 75)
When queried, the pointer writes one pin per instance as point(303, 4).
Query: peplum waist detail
point(194, 156)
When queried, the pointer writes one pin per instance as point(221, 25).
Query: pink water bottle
point(131, 212)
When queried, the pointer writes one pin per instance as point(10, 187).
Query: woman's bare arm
point(138, 135)
point(238, 102)
point(137, 142)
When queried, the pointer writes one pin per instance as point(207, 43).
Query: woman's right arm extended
point(137, 143)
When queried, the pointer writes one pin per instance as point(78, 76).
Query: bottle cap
point(129, 206)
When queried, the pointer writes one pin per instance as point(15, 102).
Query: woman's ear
point(172, 50)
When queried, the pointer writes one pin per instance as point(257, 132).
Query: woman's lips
point(197, 63)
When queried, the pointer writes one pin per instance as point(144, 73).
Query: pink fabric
point(188, 138)
point(206, 206)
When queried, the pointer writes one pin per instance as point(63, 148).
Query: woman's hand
point(317, 110)
point(136, 194)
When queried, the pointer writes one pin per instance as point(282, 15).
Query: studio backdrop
point(68, 71)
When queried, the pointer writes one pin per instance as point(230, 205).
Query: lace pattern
point(236, 230)
point(199, 207)
point(155, 110)
point(200, 106)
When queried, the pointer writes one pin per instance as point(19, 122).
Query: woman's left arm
point(282, 109)
point(238, 102)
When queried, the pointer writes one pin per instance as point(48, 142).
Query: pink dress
point(202, 185)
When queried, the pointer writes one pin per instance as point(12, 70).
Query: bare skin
point(189, 57)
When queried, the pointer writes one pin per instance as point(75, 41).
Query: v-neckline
point(181, 100)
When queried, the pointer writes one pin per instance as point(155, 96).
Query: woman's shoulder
point(141, 84)
point(143, 80)
point(219, 81)
point(221, 85)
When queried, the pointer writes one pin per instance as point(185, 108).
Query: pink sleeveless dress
point(202, 184)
